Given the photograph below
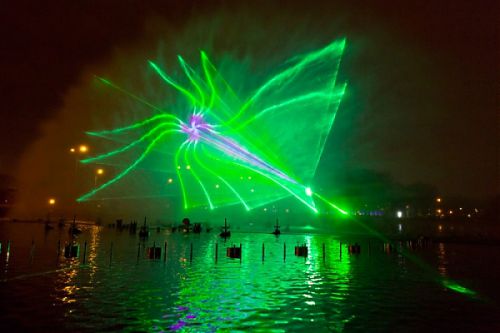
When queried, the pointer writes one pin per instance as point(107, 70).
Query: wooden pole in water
point(165, 250)
point(111, 253)
point(284, 252)
point(324, 254)
point(32, 250)
point(216, 251)
point(340, 249)
point(191, 253)
point(263, 252)
point(138, 250)
point(84, 251)
point(241, 254)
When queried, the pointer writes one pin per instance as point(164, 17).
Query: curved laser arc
point(195, 175)
point(210, 79)
point(177, 171)
point(300, 99)
point(291, 71)
point(126, 171)
point(205, 63)
point(130, 145)
point(133, 126)
point(286, 188)
point(171, 82)
point(190, 74)
point(222, 179)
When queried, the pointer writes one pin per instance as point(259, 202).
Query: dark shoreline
point(481, 232)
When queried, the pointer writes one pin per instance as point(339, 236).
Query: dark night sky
point(437, 60)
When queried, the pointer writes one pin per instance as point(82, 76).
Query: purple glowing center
point(195, 125)
point(199, 130)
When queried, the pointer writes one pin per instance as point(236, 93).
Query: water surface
point(119, 289)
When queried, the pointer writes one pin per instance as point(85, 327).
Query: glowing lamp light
point(438, 199)
point(99, 171)
point(52, 201)
point(399, 214)
point(188, 167)
point(83, 149)
point(72, 150)
point(170, 180)
point(309, 192)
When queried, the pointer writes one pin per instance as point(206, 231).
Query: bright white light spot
point(309, 192)
point(400, 227)
point(217, 185)
point(399, 214)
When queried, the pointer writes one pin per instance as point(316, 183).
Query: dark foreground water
point(443, 287)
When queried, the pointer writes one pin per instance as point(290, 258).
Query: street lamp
point(83, 149)
point(75, 151)
point(52, 203)
point(98, 172)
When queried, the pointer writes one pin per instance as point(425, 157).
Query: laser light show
point(223, 149)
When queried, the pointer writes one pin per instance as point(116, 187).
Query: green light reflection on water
point(252, 295)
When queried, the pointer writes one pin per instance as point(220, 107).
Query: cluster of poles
point(72, 250)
